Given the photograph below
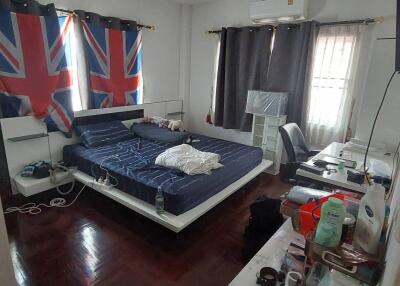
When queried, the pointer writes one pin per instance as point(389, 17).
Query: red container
point(310, 213)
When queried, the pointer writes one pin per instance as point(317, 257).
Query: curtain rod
point(141, 26)
point(366, 21)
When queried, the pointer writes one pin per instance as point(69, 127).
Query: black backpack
point(265, 219)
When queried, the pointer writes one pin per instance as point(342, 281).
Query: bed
point(186, 197)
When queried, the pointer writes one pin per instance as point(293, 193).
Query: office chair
point(296, 149)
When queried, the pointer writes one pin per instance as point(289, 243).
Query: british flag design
point(115, 65)
point(36, 68)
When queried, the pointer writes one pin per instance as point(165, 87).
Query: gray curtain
point(26, 7)
point(290, 65)
point(243, 65)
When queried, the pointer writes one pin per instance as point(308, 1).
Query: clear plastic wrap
point(266, 103)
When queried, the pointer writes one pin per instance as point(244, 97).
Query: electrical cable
point(106, 181)
point(108, 175)
point(53, 177)
point(58, 182)
point(373, 126)
point(130, 149)
point(34, 209)
point(64, 193)
point(395, 173)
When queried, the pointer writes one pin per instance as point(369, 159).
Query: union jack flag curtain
point(115, 67)
point(35, 68)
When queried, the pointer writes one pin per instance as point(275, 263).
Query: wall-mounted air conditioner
point(275, 11)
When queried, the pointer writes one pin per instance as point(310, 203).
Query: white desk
point(339, 178)
point(270, 255)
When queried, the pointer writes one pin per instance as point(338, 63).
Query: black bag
point(265, 220)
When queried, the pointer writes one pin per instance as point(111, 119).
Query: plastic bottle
point(159, 202)
point(371, 216)
point(329, 230)
point(317, 273)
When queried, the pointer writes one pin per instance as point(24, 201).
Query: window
point(331, 92)
point(215, 77)
point(76, 97)
point(83, 93)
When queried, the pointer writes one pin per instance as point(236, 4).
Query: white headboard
point(26, 138)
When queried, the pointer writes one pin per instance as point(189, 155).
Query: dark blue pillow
point(101, 134)
point(153, 132)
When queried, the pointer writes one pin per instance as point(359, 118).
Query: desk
point(271, 255)
point(339, 179)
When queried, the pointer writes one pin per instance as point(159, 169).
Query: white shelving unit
point(266, 136)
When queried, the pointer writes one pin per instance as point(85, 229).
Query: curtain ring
point(109, 21)
point(25, 4)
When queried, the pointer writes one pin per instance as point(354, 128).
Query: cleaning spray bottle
point(371, 216)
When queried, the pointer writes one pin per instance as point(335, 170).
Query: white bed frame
point(170, 221)
point(23, 152)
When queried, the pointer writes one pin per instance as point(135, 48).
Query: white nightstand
point(29, 186)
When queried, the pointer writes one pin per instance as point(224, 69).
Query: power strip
point(104, 182)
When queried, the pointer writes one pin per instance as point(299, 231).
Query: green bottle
point(329, 230)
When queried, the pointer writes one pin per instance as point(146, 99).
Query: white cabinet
point(266, 135)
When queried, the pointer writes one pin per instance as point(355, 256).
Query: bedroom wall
point(381, 67)
point(161, 48)
point(236, 13)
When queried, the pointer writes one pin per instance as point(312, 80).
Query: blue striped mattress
point(132, 163)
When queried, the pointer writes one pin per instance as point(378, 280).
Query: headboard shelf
point(175, 113)
point(28, 137)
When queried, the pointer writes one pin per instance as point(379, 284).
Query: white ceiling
point(192, 1)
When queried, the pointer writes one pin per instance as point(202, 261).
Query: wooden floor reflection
point(100, 242)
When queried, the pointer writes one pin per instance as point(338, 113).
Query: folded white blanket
point(189, 160)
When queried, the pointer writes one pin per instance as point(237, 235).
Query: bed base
point(175, 223)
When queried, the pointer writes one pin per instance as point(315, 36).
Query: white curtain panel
point(331, 94)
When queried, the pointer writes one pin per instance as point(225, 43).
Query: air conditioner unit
point(275, 11)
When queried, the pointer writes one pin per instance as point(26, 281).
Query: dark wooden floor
point(99, 242)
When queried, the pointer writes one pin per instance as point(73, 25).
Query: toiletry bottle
point(371, 216)
point(329, 230)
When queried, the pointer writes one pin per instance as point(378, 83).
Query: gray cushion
point(153, 132)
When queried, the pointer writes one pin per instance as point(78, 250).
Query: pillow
point(153, 132)
point(104, 133)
